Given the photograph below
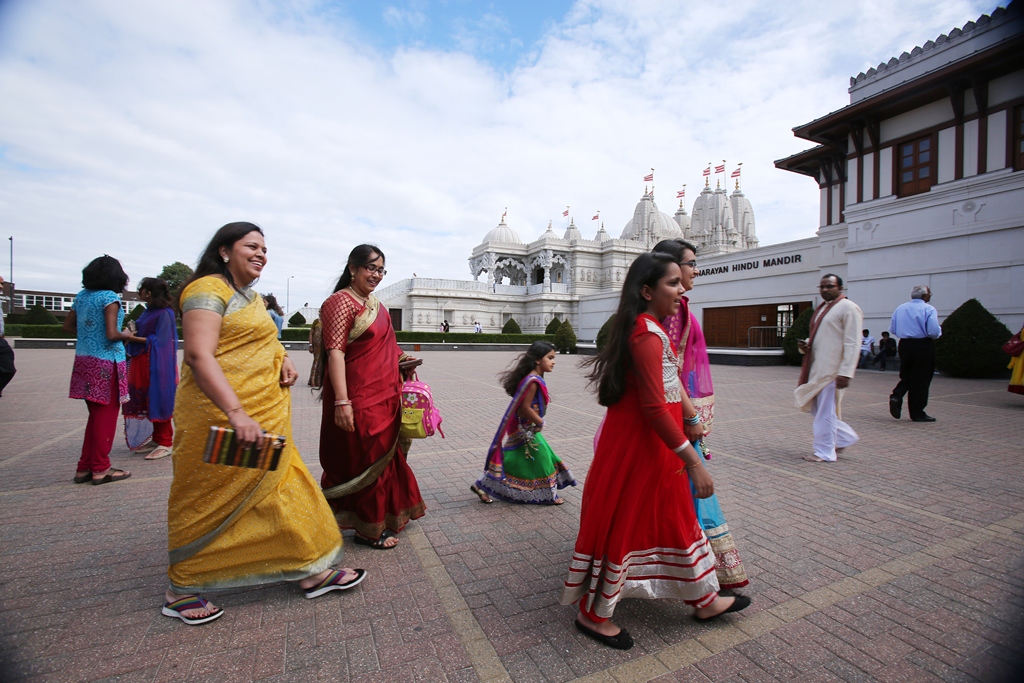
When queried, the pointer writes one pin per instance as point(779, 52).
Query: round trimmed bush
point(971, 343)
point(799, 330)
point(565, 338)
point(553, 326)
point(37, 315)
point(511, 327)
point(297, 320)
point(602, 334)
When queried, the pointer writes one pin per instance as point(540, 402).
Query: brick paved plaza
point(902, 562)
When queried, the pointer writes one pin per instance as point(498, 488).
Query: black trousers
point(7, 369)
point(917, 366)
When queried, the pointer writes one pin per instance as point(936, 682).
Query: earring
point(226, 259)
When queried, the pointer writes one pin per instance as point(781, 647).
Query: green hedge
point(295, 334)
point(38, 332)
point(471, 338)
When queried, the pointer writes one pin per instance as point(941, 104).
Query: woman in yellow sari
point(1017, 365)
point(235, 526)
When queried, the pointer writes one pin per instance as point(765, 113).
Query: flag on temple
point(565, 213)
point(596, 216)
point(680, 194)
point(720, 169)
point(707, 171)
point(735, 174)
point(649, 178)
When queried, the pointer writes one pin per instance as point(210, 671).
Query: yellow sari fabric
point(265, 526)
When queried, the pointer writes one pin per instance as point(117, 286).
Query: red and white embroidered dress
point(639, 535)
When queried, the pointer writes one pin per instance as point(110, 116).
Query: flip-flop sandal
point(157, 453)
point(484, 498)
point(112, 475)
point(620, 641)
point(378, 543)
point(82, 478)
point(333, 583)
point(175, 609)
point(740, 602)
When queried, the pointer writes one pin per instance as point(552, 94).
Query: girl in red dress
point(639, 535)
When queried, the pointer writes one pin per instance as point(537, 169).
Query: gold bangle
point(692, 464)
point(233, 410)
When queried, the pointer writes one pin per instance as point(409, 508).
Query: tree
point(511, 327)
point(175, 275)
point(971, 343)
point(565, 338)
point(553, 326)
point(602, 334)
point(37, 315)
point(799, 330)
point(297, 320)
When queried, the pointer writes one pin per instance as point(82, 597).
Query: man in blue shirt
point(916, 323)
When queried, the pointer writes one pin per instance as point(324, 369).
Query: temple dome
point(648, 220)
point(502, 234)
point(572, 232)
point(683, 219)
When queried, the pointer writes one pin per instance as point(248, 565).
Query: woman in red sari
point(639, 535)
point(366, 477)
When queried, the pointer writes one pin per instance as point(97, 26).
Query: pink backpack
point(420, 417)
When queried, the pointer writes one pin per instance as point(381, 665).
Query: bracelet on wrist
point(692, 420)
point(692, 465)
point(233, 410)
point(342, 402)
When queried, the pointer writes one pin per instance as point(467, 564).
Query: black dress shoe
point(895, 406)
point(923, 418)
point(620, 641)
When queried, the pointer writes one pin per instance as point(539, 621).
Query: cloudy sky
point(137, 127)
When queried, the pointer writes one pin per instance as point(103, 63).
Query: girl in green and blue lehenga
point(524, 469)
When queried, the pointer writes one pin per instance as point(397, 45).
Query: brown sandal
point(484, 498)
point(110, 476)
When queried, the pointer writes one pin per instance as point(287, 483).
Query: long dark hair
point(104, 272)
point(157, 288)
point(357, 258)
point(272, 304)
point(211, 262)
point(524, 365)
point(676, 248)
point(614, 360)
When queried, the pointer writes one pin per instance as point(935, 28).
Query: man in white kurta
point(835, 351)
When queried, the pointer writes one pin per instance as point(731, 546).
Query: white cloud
point(137, 129)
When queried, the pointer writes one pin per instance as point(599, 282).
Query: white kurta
point(836, 352)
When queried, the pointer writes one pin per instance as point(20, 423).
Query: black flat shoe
point(741, 602)
point(923, 418)
point(895, 406)
point(620, 641)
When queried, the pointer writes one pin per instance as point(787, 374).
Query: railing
point(765, 337)
point(536, 289)
point(509, 289)
point(559, 288)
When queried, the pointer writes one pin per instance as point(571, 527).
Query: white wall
point(971, 147)
point(947, 154)
point(885, 172)
point(869, 175)
point(996, 154)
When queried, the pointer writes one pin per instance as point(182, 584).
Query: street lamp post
point(288, 294)
point(10, 305)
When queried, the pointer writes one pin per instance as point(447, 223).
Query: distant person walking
point(886, 350)
point(477, 327)
point(100, 373)
point(152, 372)
point(831, 353)
point(524, 469)
point(7, 369)
point(274, 309)
point(227, 526)
point(916, 323)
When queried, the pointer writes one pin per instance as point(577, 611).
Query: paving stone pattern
point(901, 562)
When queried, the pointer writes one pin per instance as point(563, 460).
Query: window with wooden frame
point(916, 165)
point(1018, 138)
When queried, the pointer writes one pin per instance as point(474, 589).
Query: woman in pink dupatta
point(695, 374)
